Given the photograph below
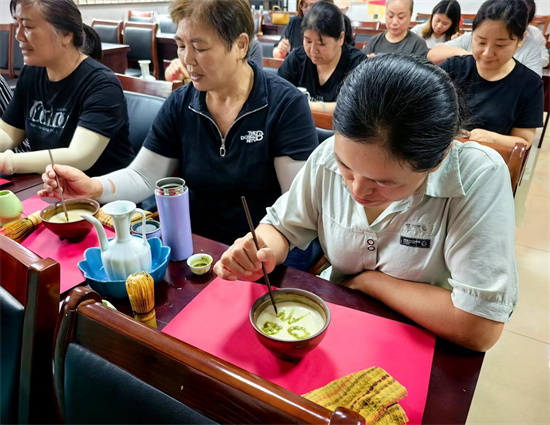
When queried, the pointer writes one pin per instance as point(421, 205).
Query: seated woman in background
point(234, 131)
point(397, 38)
point(528, 51)
point(536, 34)
point(64, 100)
point(403, 213)
point(442, 25)
point(176, 70)
point(504, 97)
point(325, 58)
point(292, 34)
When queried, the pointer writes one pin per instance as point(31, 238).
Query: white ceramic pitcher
point(125, 254)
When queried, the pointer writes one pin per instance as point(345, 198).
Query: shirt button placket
point(371, 252)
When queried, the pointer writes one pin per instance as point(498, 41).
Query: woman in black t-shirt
point(292, 34)
point(64, 100)
point(325, 58)
point(504, 97)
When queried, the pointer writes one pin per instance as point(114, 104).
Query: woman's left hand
point(480, 135)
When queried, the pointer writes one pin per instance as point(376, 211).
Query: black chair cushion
point(17, 57)
point(140, 42)
point(142, 110)
point(323, 134)
point(267, 48)
point(12, 315)
point(167, 26)
point(99, 392)
point(107, 33)
point(4, 43)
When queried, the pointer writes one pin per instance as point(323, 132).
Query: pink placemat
point(46, 244)
point(4, 181)
point(217, 321)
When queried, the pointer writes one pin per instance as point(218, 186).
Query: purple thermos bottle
point(172, 198)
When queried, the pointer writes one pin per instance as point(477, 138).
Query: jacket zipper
point(222, 147)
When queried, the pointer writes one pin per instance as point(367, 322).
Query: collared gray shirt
point(456, 231)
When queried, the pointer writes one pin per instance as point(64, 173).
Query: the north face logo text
point(253, 136)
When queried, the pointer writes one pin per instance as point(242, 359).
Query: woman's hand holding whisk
point(74, 183)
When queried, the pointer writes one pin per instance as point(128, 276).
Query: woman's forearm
point(431, 307)
point(442, 52)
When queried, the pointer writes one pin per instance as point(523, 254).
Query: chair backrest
point(140, 16)
point(142, 39)
point(142, 110)
point(7, 37)
point(468, 18)
point(166, 25)
point(541, 22)
point(414, 23)
point(157, 88)
point(323, 134)
point(423, 17)
point(108, 31)
point(373, 25)
point(515, 158)
point(322, 119)
point(111, 369)
point(363, 35)
point(29, 301)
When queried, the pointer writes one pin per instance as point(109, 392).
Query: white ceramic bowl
point(200, 263)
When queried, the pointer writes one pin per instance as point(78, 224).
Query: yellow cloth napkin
point(107, 221)
point(372, 393)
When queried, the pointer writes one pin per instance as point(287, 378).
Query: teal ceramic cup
point(11, 207)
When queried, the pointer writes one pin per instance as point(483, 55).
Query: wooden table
point(114, 56)
point(455, 370)
point(23, 185)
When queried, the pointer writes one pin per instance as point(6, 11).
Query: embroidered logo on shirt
point(414, 243)
point(253, 136)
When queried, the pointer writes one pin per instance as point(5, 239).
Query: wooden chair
point(383, 26)
point(373, 25)
point(142, 39)
point(7, 37)
point(363, 35)
point(423, 17)
point(467, 18)
point(110, 368)
point(166, 25)
point(29, 298)
point(140, 16)
point(413, 24)
point(322, 119)
point(157, 88)
point(541, 22)
point(108, 31)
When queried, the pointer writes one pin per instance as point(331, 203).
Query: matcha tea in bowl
point(75, 228)
point(300, 324)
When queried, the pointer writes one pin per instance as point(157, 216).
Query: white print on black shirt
point(47, 117)
point(253, 136)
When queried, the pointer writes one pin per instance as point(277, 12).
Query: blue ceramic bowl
point(94, 272)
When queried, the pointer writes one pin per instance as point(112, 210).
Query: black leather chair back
point(5, 47)
point(99, 392)
point(107, 33)
point(12, 314)
point(167, 26)
point(140, 42)
point(142, 110)
point(323, 134)
point(267, 49)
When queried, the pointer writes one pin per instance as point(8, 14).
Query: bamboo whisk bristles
point(21, 228)
point(141, 292)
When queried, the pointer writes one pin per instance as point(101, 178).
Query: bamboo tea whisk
point(20, 229)
point(141, 291)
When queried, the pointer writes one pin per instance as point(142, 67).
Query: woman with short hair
point(64, 100)
point(233, 131)
point(404, 213)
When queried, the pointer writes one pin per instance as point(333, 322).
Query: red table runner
point(217, 321)
point(46, 244)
